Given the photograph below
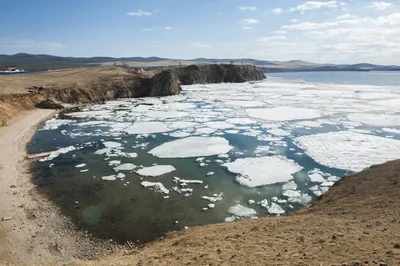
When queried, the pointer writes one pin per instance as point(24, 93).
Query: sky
point(348, 31)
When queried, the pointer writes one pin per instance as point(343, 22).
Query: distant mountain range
point(42, 61)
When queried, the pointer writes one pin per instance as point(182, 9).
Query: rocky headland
point(120, 84)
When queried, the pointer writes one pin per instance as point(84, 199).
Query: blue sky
point(348, 31)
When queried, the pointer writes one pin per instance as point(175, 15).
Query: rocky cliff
point(214, 73)
point(161, 84)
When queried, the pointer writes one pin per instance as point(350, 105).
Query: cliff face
point(214, 73)
point(162, 84)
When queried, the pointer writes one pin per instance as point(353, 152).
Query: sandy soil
point(16, 84)
point(32, 230)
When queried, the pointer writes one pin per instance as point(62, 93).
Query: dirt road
point(32, 230)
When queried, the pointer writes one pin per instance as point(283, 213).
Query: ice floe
point(156, 186)
point(349, 150)
point(316, 178)
point(181, 124)
point(242, 211)
point(219, 125)
point(244, 103)
point(156, 170)
point(391, 130)
point(147, 128)
point(166, 114)
point(260, 171)
point(179, 134)
point(192, 147)
point(57, 153)
point(125, 167)
point(53, 124)
point(279, 132)
point(375, 119)
point(241, 121)
point(283, 113)
point(275, 209)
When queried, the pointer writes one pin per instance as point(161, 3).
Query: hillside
point(34, 62)
point(357, 222)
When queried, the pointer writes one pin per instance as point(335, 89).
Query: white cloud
point(248, 21)
point(272, 38)
point(139, 13)
point(293, 20)
point(147, 29)
point(346, 16)
point(280, 32)
point(380, 5)
point(310, 5)
point(246, 28)
point(200, 45)
point(392, 19)
point(277, 10)
point(249, 8)
point(309, 26)
point(168, 28)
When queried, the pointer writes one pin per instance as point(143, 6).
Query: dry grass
point(80, 77)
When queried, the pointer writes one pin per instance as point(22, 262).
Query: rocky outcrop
point(50, 104)
point(161, 84)
point(165, 83)
point(214, 73)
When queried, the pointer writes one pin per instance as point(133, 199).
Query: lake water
point(133, 169)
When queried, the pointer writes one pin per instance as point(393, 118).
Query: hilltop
point(41, 61)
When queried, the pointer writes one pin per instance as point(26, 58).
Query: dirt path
point(31, 228)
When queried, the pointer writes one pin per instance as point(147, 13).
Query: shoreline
point(32, 229)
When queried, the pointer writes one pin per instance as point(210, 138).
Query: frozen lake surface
point(137, 168)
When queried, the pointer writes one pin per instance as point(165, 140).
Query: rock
point(396, 245)
point(165, 83)
point(7, 218)
point(50, 104)
point(162, 84)
point(214, 73)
